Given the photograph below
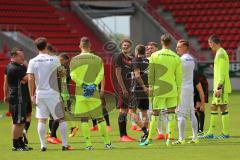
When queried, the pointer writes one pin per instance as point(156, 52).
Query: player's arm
point(202, 96)
point(221, 73)
point(100, 76)
point(178, 74)
point(151, 75)
point(31, 86)
point(74, 69)
point(5, 88)
point(118, 71)
point(137, 75)
point(31, 81)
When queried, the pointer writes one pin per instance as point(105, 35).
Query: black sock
point(201, 120)
point(94, 121)
point(197, 116)
point(27, 125)
point(50, 124)
point(106, 116)
point(122, 123)
point(21, 142)
point(144, 129)
point(55, 125)
point(15, 143)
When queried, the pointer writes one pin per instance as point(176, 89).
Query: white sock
point(160, 124)
point(181, 127)
point(63, 132)
point(41, 133)
point(166, 122)
point(194, 125)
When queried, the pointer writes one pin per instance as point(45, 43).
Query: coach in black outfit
point(19, 98)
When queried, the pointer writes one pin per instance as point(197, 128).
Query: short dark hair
point(214, 38)
point(152, 44)
point(125, 40)
point(50, 47)
point(14, 51)
point(184, 42)
point(166, 39)
point(85, 42)
point(64, 56)
point(41, 43)
point(140, 49)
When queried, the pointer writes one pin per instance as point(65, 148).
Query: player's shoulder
point(187, 57)
point(221, 53)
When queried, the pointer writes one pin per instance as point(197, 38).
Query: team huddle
point(161, 85)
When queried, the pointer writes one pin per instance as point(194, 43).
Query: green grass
point(206, 149)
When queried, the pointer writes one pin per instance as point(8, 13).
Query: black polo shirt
point(15, 73)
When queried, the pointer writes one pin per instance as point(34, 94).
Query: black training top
point(142, 64)
point(15, 73)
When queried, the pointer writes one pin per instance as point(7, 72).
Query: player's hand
point(125, 93)
point(33, 99)
point(23, 82)
point(218, 93)
point(5, 99)
point(102, 94)
point(146, 90)
point(202, 107)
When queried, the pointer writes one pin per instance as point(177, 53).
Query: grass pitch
point(205, 150)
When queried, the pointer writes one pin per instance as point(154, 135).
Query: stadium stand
point(39, 18)
point(202, 18)
point(62, 28)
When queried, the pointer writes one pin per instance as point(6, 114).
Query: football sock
point(63, 133)
point(106, 116)
point(15, 143)
point(160, 125)
point(213, 120)
point(122, 123)
point(27, 125)
point(198, 120)
point(94, 121)
point(152, 126)
point(194, 125)
point(171, 124)
point(54, 128)
point(103, 130)
point(181, 127)
point(201, 120)
point(50, 122)
point(225, 122)
point(86, 133)
point(144, 129)
point(41, 133)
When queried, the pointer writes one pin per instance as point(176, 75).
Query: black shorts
point(122, 102)
point(198, 99)
point(29, 107)
point(140, 103)
point(19, 112)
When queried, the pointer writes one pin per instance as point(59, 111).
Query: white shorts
point(46, 106)
point(186, 106)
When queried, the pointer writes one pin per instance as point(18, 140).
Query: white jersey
point(44, 67)
point(188, 65)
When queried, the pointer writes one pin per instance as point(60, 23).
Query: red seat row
point(24, 2)
point(205, 12)
point(48, 8)
point(209, 5)
point(224, 38)
point(227, 45)
point(211, 25)
point(26, 14)
point(199, 19)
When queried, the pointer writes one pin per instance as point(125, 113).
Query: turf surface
point(206, 149)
